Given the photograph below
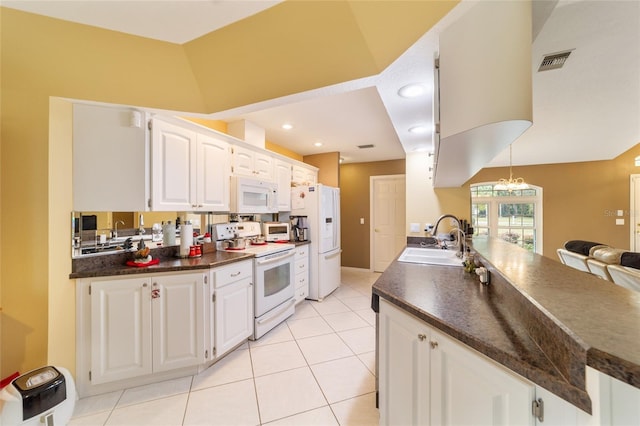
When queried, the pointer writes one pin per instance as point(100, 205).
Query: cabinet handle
point(433, 344)
point(422, 337)
point(235, 274)
point(144, 285)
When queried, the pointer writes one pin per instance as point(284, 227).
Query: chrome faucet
point(115, 233)
point(458, 229)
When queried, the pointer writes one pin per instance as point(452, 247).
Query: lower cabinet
point(232, 304)
point(150, 327)
point(145, 325)
point(301, 278)
point(427, 378)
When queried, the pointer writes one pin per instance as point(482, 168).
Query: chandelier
point(510, 184)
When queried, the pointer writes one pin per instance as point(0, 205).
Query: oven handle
point(285, 306)
point(275, 259)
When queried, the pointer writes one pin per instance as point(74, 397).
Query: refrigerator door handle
point(331, 256)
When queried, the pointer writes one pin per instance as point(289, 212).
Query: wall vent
point(365, 146)
point(554, 61)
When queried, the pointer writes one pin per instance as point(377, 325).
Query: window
point(515, 216)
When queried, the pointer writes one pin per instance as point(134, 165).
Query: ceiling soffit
point(294, 47)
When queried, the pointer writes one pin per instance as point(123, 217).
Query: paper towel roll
point(168, 234)
point(186, 239)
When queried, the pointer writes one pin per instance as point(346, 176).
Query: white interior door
point(634, 216)
point(388, 206)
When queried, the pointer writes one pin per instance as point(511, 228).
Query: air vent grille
point(554, 61)
point(365, 146)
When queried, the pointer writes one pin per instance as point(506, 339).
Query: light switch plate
point(362, 221)
point(414, 227)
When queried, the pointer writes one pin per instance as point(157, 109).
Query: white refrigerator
point(321, 206)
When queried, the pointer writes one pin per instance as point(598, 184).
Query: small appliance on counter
point(276, 231)
point(299, 228)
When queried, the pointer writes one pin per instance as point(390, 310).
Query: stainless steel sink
point(430, 256)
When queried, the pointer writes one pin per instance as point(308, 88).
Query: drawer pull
point(236, 274)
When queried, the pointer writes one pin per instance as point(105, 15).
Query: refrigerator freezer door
point(329, 220)
point(328, 274)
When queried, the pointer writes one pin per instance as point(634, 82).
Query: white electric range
point(273, 273)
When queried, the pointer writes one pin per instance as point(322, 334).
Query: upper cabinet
point(303, 175)
point(110, 170)
point(283, 179)
point(252, 163)
point(483, 99)
point(190, 170)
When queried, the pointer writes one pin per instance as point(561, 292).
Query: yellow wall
point(282, 151)
point(328, 165)
point(354, 204)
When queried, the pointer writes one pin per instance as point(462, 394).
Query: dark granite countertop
point(102, 266)
point(536, 317)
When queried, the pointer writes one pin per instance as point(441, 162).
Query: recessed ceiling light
point(318, 144)
point(287, 126)
point(412, 90)
point(419, 129)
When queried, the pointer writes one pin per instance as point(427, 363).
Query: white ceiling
point(588, 110)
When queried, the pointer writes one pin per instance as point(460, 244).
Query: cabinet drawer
point(232, 273)
point(301, 279)
point(302, 252)
point(301, 265)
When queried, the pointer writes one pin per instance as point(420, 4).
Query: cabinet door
point(120, 329)
point(104, 144)
point(178, 321)
point(403, 364)
point(172, 167)
point(263, 166)
point(283, 178)
point(212, 174)
point(234, 315)
point(467, 388)
point(243, 161)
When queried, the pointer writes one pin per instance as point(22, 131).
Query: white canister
point(168, 234)
point(186, 238)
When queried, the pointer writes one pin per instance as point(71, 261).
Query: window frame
point(493, 201)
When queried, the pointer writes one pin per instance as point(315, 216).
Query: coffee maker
point(299, 228)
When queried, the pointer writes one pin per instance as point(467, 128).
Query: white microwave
point(253, 196)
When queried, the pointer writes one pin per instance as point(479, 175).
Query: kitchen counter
point(537, 317)
point(114, 264)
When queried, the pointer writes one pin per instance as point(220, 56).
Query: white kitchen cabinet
point(301, 268)
point(426, 378)
point(120, 329)
point(468, 388)
point(140, 326)
point(212, 174)
point(232, 306)
point(403, 368)
point(189, 169)
point(110, 171)
point(178, 321)
point(252, 163)
point(303, 175)
point(283, 179)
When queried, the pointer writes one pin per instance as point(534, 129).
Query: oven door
point(273, 280)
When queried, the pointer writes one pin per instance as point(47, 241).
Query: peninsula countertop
point(537, 317)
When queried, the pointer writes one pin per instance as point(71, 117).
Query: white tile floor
point(317, 368)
